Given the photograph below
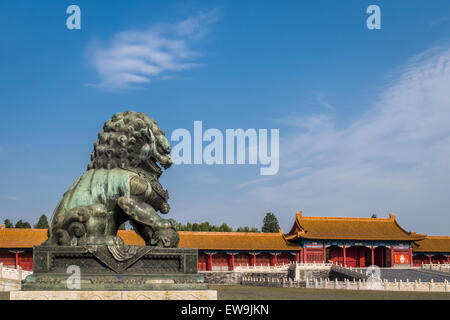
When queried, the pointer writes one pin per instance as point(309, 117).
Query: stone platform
point(115, 295)
point(114, 268)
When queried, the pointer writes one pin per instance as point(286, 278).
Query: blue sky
point(363, 114)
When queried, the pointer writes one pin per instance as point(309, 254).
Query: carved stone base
point(111, 268)
point(114, 295)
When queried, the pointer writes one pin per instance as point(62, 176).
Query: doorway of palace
point(382, 256)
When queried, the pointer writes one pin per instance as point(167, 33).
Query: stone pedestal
point(113, 268)
point(115, 295)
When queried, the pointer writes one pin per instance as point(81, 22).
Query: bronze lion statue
point(120, 184)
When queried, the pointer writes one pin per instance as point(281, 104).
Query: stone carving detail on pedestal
point(115, 295)
point(149, 267)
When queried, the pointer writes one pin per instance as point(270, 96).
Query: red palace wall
point(202, 262)
point(227, 261)
point(418, 259)
point(439, 259)
point(354, 256)
point(313, 255)
point(7, 258)
point(359, 256)
point(24, 259)
point(263, 259)
point(220, 260)
point(242, 259)
point(285, 258)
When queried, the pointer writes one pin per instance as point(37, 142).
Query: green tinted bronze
point(120, 184)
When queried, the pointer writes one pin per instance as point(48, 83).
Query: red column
point(297, 257)
point(411, 262)
point(345, 256)
point(392, 257)
point(361, 256)
point(324, 253)
point(209, 266)
point(373, 255)
point(232, 262)
point(254, 259)
point(448, 259)
point(17, 259)
point(276, 258)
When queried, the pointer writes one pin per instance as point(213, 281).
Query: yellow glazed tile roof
point(27, 238)
point(432, 244)
point(337, 228)
point(21, 238)
point(235, 241)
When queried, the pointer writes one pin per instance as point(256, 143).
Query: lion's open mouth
point(154, 165)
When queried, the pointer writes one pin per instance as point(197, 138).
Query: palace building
point(356, 242)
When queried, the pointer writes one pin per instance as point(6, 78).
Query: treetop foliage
point(270, 223)
point(208, 227)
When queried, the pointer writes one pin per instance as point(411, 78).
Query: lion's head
point(131, 140)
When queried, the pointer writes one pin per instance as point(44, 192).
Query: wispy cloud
point(135, 57)
point(394, 158)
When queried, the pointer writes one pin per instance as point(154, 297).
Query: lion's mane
point(119, 143)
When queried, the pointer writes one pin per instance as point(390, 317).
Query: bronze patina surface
point(120, 184)
point(115, 267)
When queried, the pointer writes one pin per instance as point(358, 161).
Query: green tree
point(214, 228)
point(270, 223)
point(247, 229)
point(21, 224)
point(42, 223)
point(373, 215)
point(225, 228)
point(8, 224)
point(205, 226)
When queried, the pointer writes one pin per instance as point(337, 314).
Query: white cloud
point(396, 158)
point(135, 57)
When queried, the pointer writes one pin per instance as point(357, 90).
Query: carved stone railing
point(11, 277)
point(261, 268)
point(351, 272)
point(354, 284)
point(443, 267)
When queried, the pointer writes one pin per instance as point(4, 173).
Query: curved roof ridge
point(355, 228)
point(231, 233)
point(414, 234)
point(438, 237)
point(348, 218)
